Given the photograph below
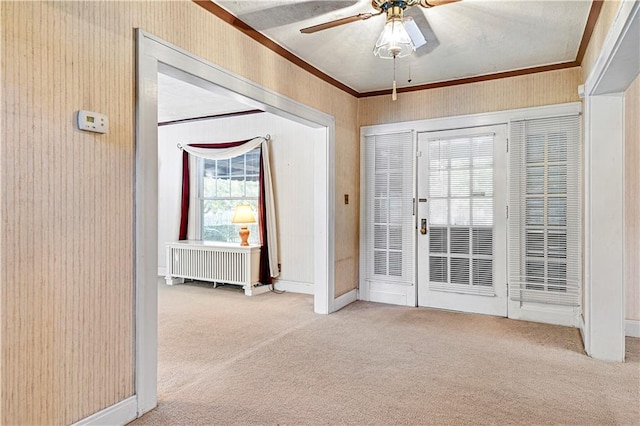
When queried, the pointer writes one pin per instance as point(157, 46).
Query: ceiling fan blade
point(414, 33)
point(268, 16)
point(420, 21)
point(434, 3)
point(337, 22)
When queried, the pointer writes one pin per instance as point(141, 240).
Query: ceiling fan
point(400, 37)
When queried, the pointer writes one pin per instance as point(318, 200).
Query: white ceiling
point(465, 39)
point(179, 100)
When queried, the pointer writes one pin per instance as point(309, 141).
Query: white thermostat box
point(93, 121)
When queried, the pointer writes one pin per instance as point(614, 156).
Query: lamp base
point(244, 236)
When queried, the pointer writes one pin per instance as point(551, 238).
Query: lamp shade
point(394, 41)
point(243, 214)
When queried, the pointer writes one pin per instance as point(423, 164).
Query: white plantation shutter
point(389, 234)
point(545, 215)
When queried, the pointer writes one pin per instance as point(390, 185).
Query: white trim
point(162, 271)
point(613, 71)
point(347, 298)
point(632, 328)
point(583, 332)
point(620, 29)
point(294, 286)
point(604, 227)
point(154, 54)
point(118, 414)
point(146, 227)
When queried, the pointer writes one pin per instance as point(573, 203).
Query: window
point(223, 185)
point(545, 224)
point(461, 214)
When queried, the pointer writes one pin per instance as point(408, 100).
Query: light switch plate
point(93, 121)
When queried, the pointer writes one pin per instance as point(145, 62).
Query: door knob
point(423, 226)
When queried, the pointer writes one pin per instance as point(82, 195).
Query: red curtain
point(265, 272)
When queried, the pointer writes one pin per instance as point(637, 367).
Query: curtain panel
point(266, 206)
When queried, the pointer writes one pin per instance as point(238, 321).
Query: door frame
point(538, 313)
point(614, 70)
point(151, 53)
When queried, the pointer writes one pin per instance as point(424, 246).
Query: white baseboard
point(162, 271)
point(118, 414)
point(549, 314)
point(632, 328)
point(294, 286)
point(342, 301)
point(583, 331)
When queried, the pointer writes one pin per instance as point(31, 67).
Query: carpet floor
point(228, 359)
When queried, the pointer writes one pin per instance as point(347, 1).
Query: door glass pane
point(380, 262)
point(438, 269)
point(535, 180)
point(438, 240)
point(380, 211)
point(438, 184)
point(534, 244)
point(482, 272)
point(438, 212)
point(460, 153)
point(482, 152)
point(557, 180)
point(535, 211)
point(395, 237)
point(460, 212)
point(535, 149)
point(460, 183)
point(459, 240)
point(557, 147)
point(557, 211)
point(482, 241)
point(460, 270)
point(482, 182)
point(482, 211)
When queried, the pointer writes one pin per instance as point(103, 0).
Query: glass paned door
point(462, 224)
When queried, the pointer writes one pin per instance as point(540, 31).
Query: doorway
point(152, 54)
point(461, 213)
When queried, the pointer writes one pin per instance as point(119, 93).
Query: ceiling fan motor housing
point(385, 5)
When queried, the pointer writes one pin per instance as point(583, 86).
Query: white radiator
point(227, 263)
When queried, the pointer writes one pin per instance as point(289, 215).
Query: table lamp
point(243, 215)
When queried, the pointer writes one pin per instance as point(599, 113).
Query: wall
point(548, 88)
point(67, 196)
point(291, 156)
point(632, 200)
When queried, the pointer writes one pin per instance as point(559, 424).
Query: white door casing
point(462, 220)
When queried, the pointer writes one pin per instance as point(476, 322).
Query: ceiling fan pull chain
point(394, 93)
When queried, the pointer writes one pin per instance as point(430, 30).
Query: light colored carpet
point(227, 359)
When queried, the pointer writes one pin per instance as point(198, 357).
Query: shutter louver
point(545, 215)
point(389, 203)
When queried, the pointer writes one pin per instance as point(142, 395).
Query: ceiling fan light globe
point(394, 41)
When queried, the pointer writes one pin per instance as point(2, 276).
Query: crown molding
point(592, 19)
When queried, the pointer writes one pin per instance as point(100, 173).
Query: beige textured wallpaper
point(67, 196)
point(548, 88)
point(632, 200)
